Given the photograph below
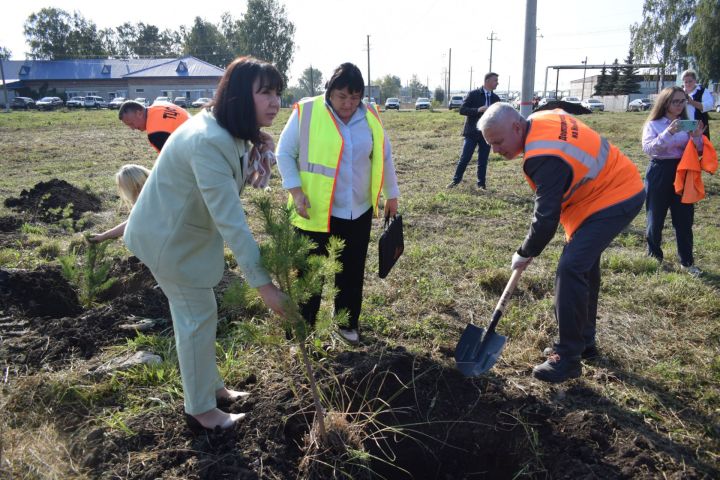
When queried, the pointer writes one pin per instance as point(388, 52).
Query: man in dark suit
point(475, 104)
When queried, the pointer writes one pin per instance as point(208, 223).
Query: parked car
point(392, 103)
point(116, 102)
point(93, 101)
point(142, 101)
point(161, 99)
point(49, 103)
point(575, 100)
point(201, 102)
point(180, 102)
point(640, 105)
point(594, 104)
point(455, 102)
point(422, 103)
point(75, 102)
point(22, 103)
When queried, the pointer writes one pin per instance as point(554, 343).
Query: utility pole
point(582, 94)
point(312, 82)
point(449, 65)
point(2, 73)
point(528, 79)
point(470, 79)
point(369, 94)
point(492, 39)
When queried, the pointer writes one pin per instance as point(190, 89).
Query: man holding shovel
point(589, 186)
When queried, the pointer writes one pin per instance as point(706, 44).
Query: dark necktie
point(487, 99)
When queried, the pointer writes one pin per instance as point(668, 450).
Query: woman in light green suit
point(189, 207)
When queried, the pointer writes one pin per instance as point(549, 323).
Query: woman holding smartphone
point(664, 140)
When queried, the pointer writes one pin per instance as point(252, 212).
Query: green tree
point(5, 53)
point(266, 33)
point(439, 95)
point(390, 86)
point(629, 80)
point(418, 89)
point(206, 42)
point(601, 87)
point(54, 34)
point(659, 38)
point(310, 82)
point(704, 41)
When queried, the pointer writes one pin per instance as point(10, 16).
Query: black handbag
point(391, 245)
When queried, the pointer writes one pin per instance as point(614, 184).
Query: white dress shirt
point(352, 190)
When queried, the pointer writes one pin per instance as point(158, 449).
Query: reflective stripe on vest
point(594, 164)
point(601, 175)
point(320, 151)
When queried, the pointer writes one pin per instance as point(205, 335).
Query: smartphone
point(687, 125)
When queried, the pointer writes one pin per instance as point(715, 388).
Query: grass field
point(658, 328)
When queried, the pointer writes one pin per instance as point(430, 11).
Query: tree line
point(264, 31)
point(672, 31)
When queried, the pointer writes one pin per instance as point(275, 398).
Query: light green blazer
point(190, 204)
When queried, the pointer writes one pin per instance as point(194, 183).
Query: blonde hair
point(130, 180)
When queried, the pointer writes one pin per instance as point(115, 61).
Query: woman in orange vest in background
point(335, 161)
point(664, 141)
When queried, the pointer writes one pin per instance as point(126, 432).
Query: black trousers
point(577, 280)
point(349, 282)
point(661, 197)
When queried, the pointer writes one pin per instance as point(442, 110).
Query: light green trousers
point(194, 317)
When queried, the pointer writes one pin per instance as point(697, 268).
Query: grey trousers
point(577, 280)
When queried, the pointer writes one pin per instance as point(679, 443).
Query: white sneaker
point(692, 270)
point(351, 335)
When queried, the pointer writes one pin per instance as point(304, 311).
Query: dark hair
point(129, 106)
point(346, 75)
point(662, 103)
point(233, 105)
point(490, 74)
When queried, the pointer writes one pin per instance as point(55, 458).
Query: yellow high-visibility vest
point(321, 149)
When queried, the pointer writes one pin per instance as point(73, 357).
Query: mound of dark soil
point(38, 293)
point(51, 195)
point(9, 223)
point(447, 427)
point(40, 331)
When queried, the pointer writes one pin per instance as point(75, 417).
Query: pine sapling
point(285, 256)
point(89, 272)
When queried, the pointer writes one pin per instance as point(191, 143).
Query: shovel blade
point(477, 352)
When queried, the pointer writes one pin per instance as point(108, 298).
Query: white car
point(455, 102)
point(162, 99)
point(115, 103)
point(422, 103)
point(594, 104)
point(392, 103)
point(200, 102)
point(575, 100)
point(75, 102)
point(142, 101)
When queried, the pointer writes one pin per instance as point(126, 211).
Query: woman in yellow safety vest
point(335, 160)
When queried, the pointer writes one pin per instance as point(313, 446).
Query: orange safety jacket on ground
point(163, 118)
point(688, 178)
point(601, 175)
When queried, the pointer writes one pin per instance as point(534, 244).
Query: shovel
point(477, 350)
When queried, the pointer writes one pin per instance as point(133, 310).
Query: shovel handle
point(504, 298)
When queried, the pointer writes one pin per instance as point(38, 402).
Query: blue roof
point(90, 69)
